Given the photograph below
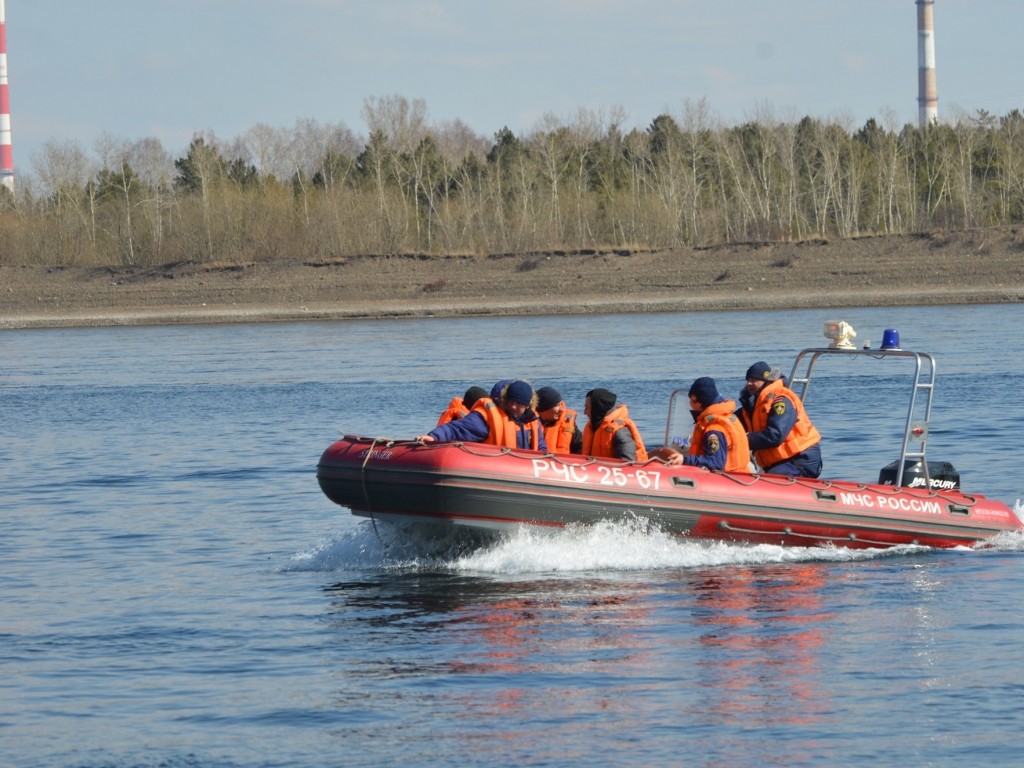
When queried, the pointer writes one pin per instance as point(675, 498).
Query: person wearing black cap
point(781, 436)
point(507, 420)
point(719, 440)
point(558, 422)
point(610, 433)
point(461, 406)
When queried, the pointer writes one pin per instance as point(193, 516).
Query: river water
point(176, 591)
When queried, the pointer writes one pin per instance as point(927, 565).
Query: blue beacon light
point(891, 339)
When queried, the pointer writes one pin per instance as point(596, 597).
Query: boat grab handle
point(686, 482)
point(826, 496)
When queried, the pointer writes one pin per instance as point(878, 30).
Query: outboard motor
point(942, 476)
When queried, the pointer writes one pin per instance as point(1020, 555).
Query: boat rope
point(366, 490)
point(787, 531)
point(742, 479)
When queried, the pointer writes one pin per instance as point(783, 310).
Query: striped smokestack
point(927, 92)
point(6, 156)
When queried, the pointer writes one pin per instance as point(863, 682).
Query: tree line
point(318, 192)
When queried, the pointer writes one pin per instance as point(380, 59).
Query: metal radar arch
point(912, 458)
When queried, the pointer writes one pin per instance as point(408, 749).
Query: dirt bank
point(974, 266)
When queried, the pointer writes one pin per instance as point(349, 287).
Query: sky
point(136, 69)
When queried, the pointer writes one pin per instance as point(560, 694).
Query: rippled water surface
point(176, 591)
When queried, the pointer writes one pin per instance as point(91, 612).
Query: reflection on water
point(761, 634)
point(744, 651)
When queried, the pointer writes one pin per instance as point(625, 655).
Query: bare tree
point(201, 172)
point(401, 122)
point(697, 124)
point(453, 194)
point(155, 169)
point(551, 141)
point(64, 171)
point(397, 126)
point(267, 147)
point(117, 174)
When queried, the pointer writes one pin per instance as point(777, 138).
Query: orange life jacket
point(455, 410)
point(559, 435)
point(502, 430)
point(720, 418)
point(598, 442)
point(800, 438)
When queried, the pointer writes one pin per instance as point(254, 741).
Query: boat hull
point(485, 489)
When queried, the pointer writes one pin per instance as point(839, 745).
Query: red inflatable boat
point(484, 489)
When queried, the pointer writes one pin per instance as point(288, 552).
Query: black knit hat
point(548, 397)
point(519, 392)
point(705, 390)
point(472, 395)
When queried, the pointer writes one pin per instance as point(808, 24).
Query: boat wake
point(606, 547)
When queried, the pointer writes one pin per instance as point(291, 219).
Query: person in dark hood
point(610, 433)
point(507, 420)
point(498, 388)
point(600, 402)
point(719, 440)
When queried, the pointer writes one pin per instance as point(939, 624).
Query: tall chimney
point(927, 92)
point(6, 156)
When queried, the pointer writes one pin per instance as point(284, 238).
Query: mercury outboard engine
point(942, 476)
